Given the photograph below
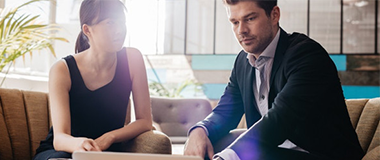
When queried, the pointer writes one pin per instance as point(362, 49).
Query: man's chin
point(248, 50)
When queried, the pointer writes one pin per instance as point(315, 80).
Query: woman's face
point(108, 35)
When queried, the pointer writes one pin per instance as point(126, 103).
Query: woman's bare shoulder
point(59, 73)
point(59, 66)
point(133, 52)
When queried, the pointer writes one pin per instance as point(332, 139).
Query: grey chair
point(175, 116)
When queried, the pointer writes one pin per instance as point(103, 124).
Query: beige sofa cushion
point(23, 126)
point(365, 118)
point(374, 154)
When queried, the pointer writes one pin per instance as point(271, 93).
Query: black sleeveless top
point(96, 112)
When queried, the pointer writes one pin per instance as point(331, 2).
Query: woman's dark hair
point(267, 5)
point(94, 11)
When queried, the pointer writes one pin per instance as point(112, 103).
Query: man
point(289, 90)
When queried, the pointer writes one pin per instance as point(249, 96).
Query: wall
point(359, 74)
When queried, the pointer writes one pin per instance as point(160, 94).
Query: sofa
point(25, 121)
point(365, 118)
point(175, 116)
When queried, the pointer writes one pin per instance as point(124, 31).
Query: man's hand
point(198, 144)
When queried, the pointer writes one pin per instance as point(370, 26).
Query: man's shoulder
point(302, 49)
point(299, 39)
point(303, 44)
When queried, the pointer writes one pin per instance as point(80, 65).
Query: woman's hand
point(86, 144)
point(104, 141)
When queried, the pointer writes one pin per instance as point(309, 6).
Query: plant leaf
point(33, 26)
point(23, 34)
point(7, 26)
point(52, 50)
point(28, 21)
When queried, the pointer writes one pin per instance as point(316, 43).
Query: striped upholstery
point(365, 118)
point(22, 124)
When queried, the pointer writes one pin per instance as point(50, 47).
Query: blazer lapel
point(282, 45)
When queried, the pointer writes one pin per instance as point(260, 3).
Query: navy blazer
point(306, 104)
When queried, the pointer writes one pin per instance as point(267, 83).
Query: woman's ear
point(86, 30)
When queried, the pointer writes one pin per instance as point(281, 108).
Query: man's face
point(253, 29)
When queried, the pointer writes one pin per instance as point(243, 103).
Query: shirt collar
point(268, 52)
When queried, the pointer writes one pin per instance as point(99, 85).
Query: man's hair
point(267, 5)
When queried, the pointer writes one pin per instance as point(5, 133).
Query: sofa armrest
point(373, 154)
point(149, 142)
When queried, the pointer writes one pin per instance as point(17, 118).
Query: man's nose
point(243, 29)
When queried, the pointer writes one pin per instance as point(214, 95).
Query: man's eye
point(235, 23)
point(251, 19)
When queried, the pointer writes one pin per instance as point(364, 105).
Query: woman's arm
point(59, 87)
point(141, 99)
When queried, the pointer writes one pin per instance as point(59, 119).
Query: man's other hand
point(198, 144)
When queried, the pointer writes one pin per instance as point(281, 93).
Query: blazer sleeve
point(309, 76)
point(227, 114)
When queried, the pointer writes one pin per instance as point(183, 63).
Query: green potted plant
point(21, 34)
point(159, 89)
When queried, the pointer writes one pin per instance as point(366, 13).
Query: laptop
point(89, 155)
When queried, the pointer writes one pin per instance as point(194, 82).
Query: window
point(359, 27)
point(293, 19)
point(225, 41)
point(180, 27)
point(202, 27)
point(325, 24)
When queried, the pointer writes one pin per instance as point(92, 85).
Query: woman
point(89, 91)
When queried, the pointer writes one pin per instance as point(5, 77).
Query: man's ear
point(275, 15)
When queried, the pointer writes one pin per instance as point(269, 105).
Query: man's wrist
point(195, 127)
point(198, 130)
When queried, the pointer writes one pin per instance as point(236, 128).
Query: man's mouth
point(247, 40)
